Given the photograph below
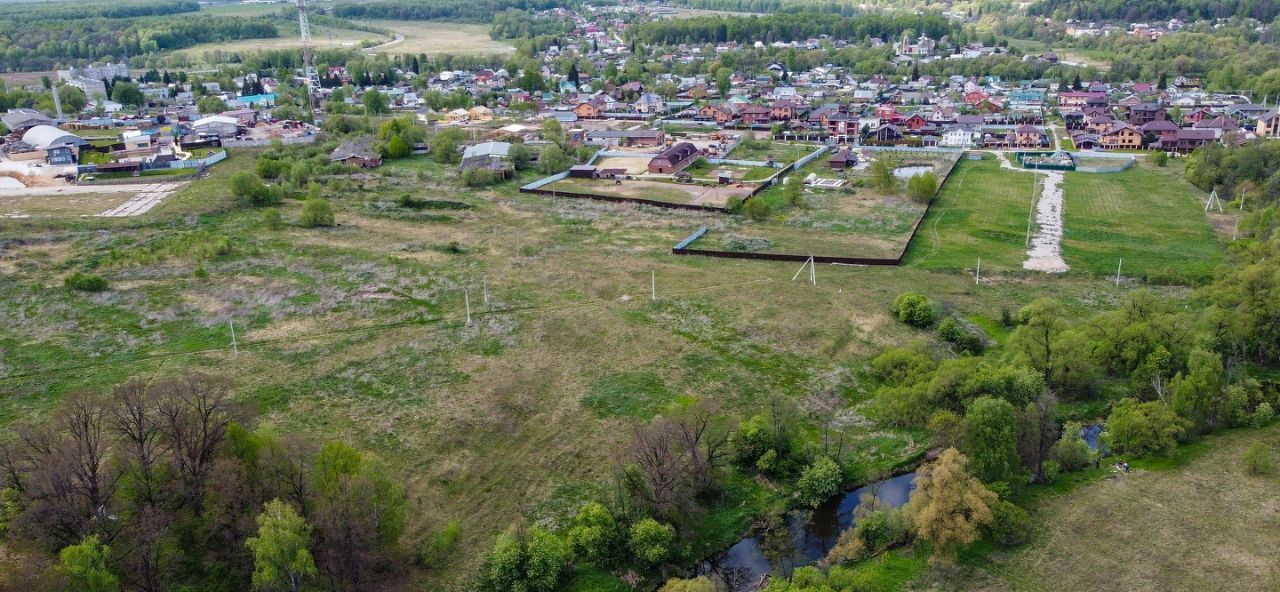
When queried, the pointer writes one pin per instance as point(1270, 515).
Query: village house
point(1121, 136)
point(752, 114)
point(359, 153)
point(1029, 136)
point(842, 159)
point(1268, 125)
point(1144, 113)
point(719, 112)
point(673, 159)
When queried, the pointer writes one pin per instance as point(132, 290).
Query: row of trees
point(159, 484)
point(786, 27)
point(452, 10)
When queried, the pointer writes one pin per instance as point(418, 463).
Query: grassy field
point(438, 37)
point(981, 212)
point(359, 332)
point(1203, 526)
point(781, 151)
point(1151, 217)
point(79, 204)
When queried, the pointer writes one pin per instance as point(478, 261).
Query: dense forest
point(1148, 10)
point(454, 10)
point(787, 27)
point(771, 6)
point(25, 12)
point(1227, 59)
point(44, 43)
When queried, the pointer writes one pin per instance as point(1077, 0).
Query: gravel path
point(1046, 244)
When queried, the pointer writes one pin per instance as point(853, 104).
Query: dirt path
point(1045, 253)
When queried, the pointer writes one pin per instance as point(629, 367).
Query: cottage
point(458, 116)
point(673, 159)
point(754, 114)
point(359, 153)
point(1268, 125)
point(1029, 136)
point(842, 159)
point(494, 156)
point(720, 113)
point(1121, 136)
point(1144, 113)
point(480, 113)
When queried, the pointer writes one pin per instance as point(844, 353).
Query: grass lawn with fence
point(1152, 217)
point(758, 150)
point(982, 211)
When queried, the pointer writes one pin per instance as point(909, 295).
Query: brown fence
point(682, 248)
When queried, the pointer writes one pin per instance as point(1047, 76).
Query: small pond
point(906, 172)
point(744, 566)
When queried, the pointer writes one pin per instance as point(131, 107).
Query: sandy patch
point(1045, 253)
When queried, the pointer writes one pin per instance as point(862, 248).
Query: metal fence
point(287, 141)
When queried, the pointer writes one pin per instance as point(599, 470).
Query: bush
point(83, 282)
point(249, 190)
point(965, 338)
point(651, 541)
point(316, 212)
point(1160, 158)
point(479, 177)
point(436, 546)
point(922, 187)
point(1262, 415)
point(595, 536)
point(914, 309)
point(1010, 525)
point(1143, 428)
point(1071, 451)
point(525, 562)
point(756, 209)
point(819, 481)
point(272, 219)
point(1257, 459)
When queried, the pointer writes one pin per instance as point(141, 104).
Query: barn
point(673, 159)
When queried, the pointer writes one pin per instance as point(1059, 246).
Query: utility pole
point(235, 348)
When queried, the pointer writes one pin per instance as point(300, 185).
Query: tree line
point(787, 27)
point(164, 484)
point(44, 44)
point(453, 10)
point(1155, 10)
point(772, 6)
point(27, 11)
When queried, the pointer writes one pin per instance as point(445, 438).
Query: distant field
point(439, 37)
point(1204, 526)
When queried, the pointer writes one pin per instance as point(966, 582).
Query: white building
point(215, 125)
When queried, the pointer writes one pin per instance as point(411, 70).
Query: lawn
point(1151, 217)
point(981, 212)
point(1203, 526)
point(76, 204)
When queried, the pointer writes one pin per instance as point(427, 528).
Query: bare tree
point(195, 411)
point(673, 459)
point(288, 465)
point(135, 418)
point(86, 451)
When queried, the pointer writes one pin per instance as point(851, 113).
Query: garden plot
point(633, 165)
point(662, 191)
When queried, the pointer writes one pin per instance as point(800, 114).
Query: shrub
point(1262, 415)
point(83, 282)
point(525, 562)
point(436, 546)
point(756, 209)
point(316, 212)
point(249, 190)
point(1010, 525)
point(819, 481)
point(965, 338)
point(914, 309)
point(595, 536)
point(272, 219)
point(1143, 428)
point(922, 187)
point(1071, 451)
point(734, 205)
point(1257, 459)
point(479, 177)
point(1160, 158)
point(651, 541)
point(698, 584)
